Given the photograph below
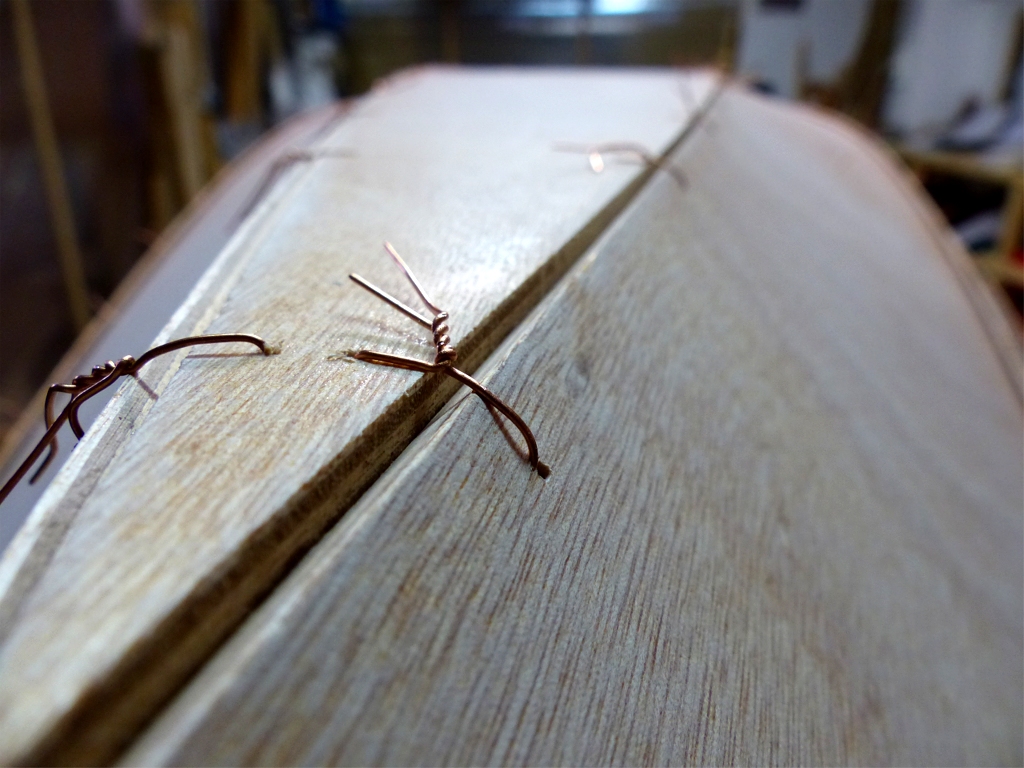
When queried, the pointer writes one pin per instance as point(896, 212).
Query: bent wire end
point(444, 358)
point(87, 385)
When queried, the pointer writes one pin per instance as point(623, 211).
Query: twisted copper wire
point(595, 156)
point(444, 356)
point(87, 385)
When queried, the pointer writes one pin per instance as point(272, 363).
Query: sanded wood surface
point(156, 286)
point(783, 526)
point(186, 501)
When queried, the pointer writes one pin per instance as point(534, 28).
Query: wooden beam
point(968, 165)
point(1002, 271)
point(61, 214)
point(1012, 230)
point(183, 76)
point(1001, 267)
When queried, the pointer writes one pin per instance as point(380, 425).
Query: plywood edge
point(991, 308)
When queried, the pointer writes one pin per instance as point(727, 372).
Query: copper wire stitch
point(444, 357)
point(595, 156)
point(89, 384)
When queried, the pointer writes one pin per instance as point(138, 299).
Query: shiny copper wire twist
point(88, 385)
point(595, 156)
point(444, 355)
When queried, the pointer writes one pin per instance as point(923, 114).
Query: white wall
point(947, 51)
point(770, 39)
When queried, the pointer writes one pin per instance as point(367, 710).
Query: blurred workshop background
point(116, 113)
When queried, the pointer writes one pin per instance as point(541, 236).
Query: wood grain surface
point(191, 495)
point(784, 522)
point(156, 286)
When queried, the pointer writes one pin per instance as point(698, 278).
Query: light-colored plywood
point(156, 286)
point(783, 526)
point(186, 502)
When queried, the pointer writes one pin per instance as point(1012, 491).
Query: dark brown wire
point(90, 384)
point(276, 169)
point(444, 355)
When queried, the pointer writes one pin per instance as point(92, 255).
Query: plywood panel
point(783, 526)
point(184, 504)
point(149, 294)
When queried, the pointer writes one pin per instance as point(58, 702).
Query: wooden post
point(49, 160)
